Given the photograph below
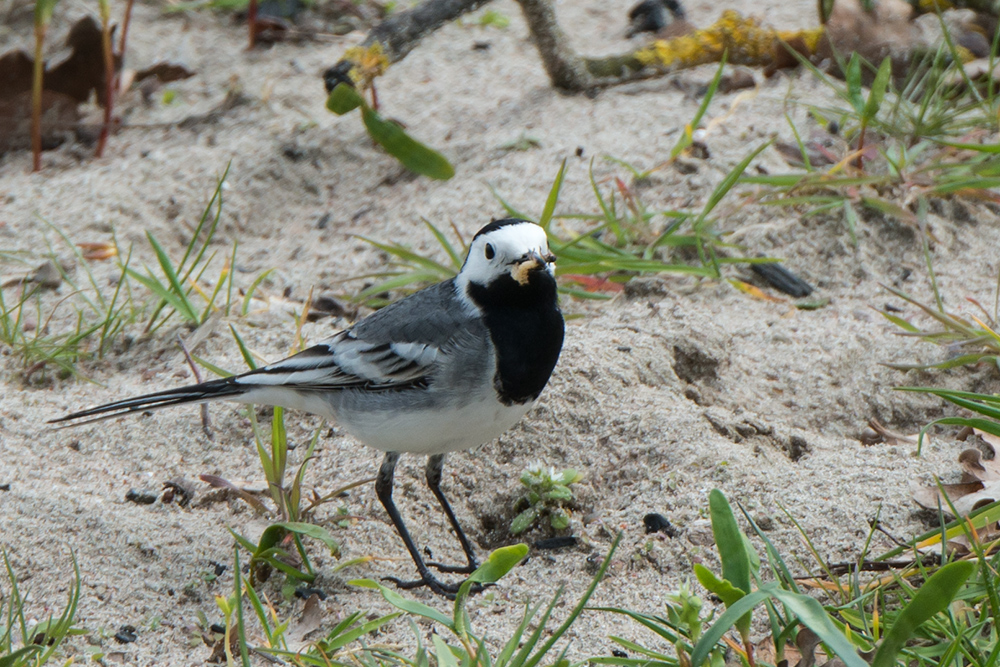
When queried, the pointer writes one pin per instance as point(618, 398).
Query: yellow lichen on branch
point(744, 39)
point(368, 63)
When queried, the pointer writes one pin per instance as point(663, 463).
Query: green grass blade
point(932, 597)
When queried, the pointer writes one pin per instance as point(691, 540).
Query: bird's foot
point(455, 569)
point(436, 585)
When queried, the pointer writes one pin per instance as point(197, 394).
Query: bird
point(445, 369)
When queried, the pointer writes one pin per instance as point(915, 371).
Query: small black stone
point(556, 543)
point(618, 653)
point(305, 593)
point(126, 634)
point(217, 628)
point(140, 497)
point(5, 487)
point(218, 567)
point(782, 279)
point(657, 523)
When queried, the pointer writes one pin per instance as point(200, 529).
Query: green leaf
point(309, 530)
point(558, 492)
point(559, 519)
point(812, 615)
point(443, 652)
point(344, 99)
point(930, 599)
point(409, 606)
point(414, 155)
point(729, 541)
point(156, 287)
point(17, 656)
point(727, 620)
point(499, 563)
point(569, 476)
point(853, 78)
point(724, 589)
point(878, 87)
point(524, 521)
point(553, 198)
point(175, 284)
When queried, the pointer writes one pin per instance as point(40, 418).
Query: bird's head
point(507, 255)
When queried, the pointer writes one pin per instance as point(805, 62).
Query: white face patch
point(498, 252)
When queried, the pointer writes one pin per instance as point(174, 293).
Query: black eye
point(490, 252)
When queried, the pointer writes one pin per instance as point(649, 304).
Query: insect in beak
point(531, 261)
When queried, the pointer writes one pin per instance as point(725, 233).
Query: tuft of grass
point(23, 643)
point(621, 240)
point(925, 136)
point(93, 318)
point(917, 614)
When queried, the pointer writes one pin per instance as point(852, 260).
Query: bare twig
point(401, 32)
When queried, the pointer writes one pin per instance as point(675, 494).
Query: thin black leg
point(435, 465)
point(383, 489)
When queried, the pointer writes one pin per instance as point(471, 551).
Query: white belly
point(427, 432)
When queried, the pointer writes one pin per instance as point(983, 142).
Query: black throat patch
point(527, 330)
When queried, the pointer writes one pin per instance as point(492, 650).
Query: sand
point(661, 394)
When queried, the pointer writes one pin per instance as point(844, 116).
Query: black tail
point(197, 393)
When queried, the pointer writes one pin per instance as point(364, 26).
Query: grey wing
point(399, 345)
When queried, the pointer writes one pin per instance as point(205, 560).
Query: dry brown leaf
point(98, 251)
point(896, 439)
point(164, 73)
point(65, 85)
point(309, 621)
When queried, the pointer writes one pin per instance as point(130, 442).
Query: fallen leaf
point(594, 284)
point(308, 622)
point(65, 85)
point(896, 439)
point(753, 291)
point(164, 73)
point(98, 251)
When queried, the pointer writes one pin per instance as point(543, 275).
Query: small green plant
point(547, 493)
point(968, 340)
point(182, 281)
point(272, 549)
point(491, 18)
point(23, 644)
point(863, 620)
point(100, 315)
point(369, 63)
point(466, 648)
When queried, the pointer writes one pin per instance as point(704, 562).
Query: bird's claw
point(439, 587)
point(455, 569)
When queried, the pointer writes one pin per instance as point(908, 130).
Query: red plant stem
point(861, 146)
point(126, 21)
point(374, 98)
point(36, 99)
point(252, 23)
point(109, 86)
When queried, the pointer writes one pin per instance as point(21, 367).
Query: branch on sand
point(848, 26)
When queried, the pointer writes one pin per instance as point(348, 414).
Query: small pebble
point(556, 543)
point(126, 634)
point(305, 593)
point(657, 523)
point(140, 497)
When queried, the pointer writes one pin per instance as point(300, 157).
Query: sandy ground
point(658, 398)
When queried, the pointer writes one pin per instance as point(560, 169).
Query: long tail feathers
point(198, 393)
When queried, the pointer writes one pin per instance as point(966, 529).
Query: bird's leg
point(383, 489)
point(435, 465)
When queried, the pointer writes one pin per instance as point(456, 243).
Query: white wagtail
point(445, 369)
